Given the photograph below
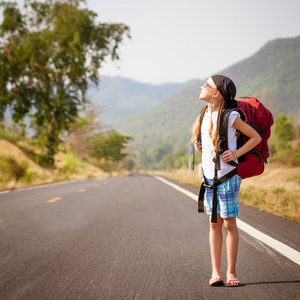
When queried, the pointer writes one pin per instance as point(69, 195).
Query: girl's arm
point(254, 139)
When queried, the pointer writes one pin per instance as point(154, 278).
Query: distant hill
point(167, 123)
point(121, 97)
point(272, 75)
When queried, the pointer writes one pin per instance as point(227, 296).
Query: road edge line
point(280, 247)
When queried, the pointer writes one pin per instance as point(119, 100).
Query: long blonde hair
point(196, 129)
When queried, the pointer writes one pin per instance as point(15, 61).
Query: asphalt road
point(130, 238)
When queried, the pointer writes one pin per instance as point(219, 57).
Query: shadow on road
point(270, 282)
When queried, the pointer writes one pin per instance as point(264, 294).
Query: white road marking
point(282, 248)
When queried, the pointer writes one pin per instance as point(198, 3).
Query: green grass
point(73, 164)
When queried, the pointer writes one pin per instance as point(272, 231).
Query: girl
point(219, 92)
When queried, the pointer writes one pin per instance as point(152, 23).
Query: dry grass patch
point(277, 191)
point(14, 162)
point(8, 149)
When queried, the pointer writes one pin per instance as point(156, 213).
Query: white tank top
point(207, 155)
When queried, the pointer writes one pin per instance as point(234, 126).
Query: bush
point(40, 159)
point(29, 176)
point(109, 146)
point(11, 169)
point(106, 166)
point(73, 164)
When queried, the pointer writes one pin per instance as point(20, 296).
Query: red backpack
point(260, 118)
point(250, 164)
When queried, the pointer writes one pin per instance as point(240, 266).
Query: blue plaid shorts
point(228, 200)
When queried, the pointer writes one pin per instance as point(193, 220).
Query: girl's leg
point(232, 244)
point(215, 240)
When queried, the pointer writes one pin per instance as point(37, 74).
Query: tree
point(283, 131)
point(83, 129)
point(109, 146)
point(48, 56)
point(158, 152)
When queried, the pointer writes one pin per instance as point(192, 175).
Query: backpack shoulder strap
point(223, 134)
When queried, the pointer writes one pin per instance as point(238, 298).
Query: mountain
point(272, 75)
point(121, 97)
point(167, 123)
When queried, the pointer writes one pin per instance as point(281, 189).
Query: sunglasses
point(206, 84)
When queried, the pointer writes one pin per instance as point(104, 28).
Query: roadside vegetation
point(23, 161)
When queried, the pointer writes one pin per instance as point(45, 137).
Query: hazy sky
point(178, 40)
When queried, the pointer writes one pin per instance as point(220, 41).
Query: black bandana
point(226, 87)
